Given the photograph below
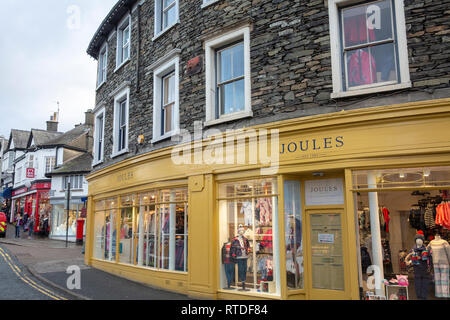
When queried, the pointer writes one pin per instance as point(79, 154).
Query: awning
point(7, 194)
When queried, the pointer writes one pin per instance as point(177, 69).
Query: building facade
point(290, 123)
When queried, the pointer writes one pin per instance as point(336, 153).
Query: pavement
point(48, 260)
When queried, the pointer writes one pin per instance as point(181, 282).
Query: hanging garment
point(386, 219)
point(365, 259)
point(443, 215)
point(247, 211)
point(356, 31)
point(414, 217)
point(429, 217)
point(361, 69)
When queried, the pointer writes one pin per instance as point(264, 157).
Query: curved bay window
point(152, 230)
point(248, 237)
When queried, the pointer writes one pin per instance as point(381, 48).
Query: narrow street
point(16, 283)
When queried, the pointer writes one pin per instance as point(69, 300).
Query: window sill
point(122, 64)
point(337, 95)
point(228, 118)
point(205, 5)
point(116, 154)
point(165, 30)
point(166, 136)
point(100, 85)
point(96, 163)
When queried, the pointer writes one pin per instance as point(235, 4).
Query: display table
point(394, 289)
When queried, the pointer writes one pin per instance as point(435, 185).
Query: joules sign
point(316, 144)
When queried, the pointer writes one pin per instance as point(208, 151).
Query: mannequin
point(441, 261)
point(228, 263)
point(419, 257)
point(240, 248)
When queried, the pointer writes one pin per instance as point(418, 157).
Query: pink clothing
point(361, 69)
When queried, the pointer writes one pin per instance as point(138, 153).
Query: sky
point(43, 61)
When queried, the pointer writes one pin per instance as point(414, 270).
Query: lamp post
point(68, 211)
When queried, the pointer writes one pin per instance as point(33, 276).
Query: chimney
point(52, 125)
point(89, 118)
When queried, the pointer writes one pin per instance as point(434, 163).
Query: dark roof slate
point(80, 164)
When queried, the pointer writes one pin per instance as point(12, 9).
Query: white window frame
point(211, 47)
point(159, 30)
point(100, 113)
point(102, 71)
point(336, 48)
point(168, 64)
point(119, 51)
point(19, 177)
point(50, 166)
point(207, 3)
point(122, 96)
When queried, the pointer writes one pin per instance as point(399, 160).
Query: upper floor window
point(30, 163)
point(121, 106)
point(228, 83)
point(99, 136)
point(102, 65)
point(76, 182)
point(372, 40)
point(166, 15)
point(123, 41)
point(166, 98)
point(50, 163)
point(19, 174)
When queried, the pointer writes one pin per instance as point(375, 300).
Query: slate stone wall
point(291, 72)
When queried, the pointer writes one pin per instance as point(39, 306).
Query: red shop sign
point(19, 191)
point(41, 186)
point(30, 173)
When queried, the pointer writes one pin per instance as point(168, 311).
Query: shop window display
point(59, 221)
point(105, 229)
point(248, 218)
point(405, 231)
point(294, 241)
point(152, 230)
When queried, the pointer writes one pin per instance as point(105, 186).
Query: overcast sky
point(43, 59)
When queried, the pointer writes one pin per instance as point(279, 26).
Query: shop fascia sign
point(20, 191)
point(314, 144)
point(41, 186)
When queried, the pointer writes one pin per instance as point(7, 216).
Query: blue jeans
point(17, 231)
point(229, 272)
point(242, 269)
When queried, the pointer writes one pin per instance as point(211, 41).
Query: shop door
point(326, 254)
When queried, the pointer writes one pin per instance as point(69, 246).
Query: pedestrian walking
point(30, 227)
point(25, 222)
point(17, 224)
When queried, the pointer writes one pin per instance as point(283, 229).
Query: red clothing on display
point(443, 215)
point(356, 31)
point(361, 69)
point(386, 218)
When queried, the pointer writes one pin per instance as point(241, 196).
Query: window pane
point(99, 235)
point(110, 238)
point(125, 53)
point(168, 114)
point(385, 60)
point(361, 67)
point(225, 65)
point(368, 23)
point(355, 27)
point(239, 98)
point(170, 17)
point(293, 233)
point(247, 239)
point(126, 236)
point(238, 61)
point(227, 98)
point(167, 3)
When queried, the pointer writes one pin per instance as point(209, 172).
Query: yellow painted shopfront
point(304, 215)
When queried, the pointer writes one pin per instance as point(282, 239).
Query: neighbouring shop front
point(63, 226)
point(338, 218)
point(34, 201)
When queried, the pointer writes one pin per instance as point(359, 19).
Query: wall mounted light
point(402, 175)
point(426, 172)
point(318, 174)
